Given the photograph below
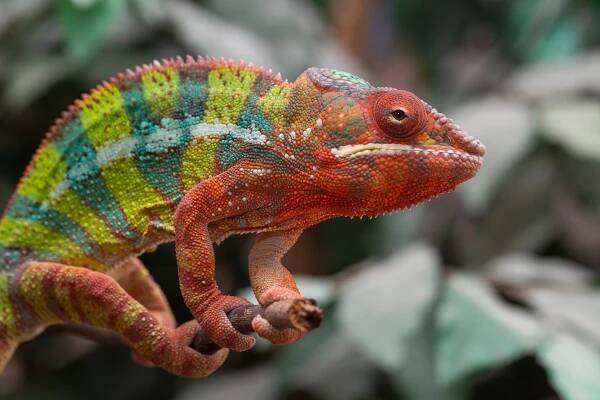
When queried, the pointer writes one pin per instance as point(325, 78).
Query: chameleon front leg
point(62, 294)
point(224, 196)
point(272, 282)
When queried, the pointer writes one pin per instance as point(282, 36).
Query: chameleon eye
point(399, 114)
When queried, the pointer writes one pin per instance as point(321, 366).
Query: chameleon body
point(195, 150)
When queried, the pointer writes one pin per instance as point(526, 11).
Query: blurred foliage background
point(487, 293)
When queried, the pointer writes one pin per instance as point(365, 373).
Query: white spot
point(115, 150)
point(60, 188)
point(319, 123)
point(204, 130)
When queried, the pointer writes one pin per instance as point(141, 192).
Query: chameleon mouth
point(370, 149)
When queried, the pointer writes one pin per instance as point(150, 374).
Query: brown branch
point(303, 314)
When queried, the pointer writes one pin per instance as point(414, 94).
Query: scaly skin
point(196, 150)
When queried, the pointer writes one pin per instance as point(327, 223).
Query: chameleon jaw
point(357, 150)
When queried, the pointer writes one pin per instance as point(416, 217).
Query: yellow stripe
point(274, 103)
point(198, 162)
point(7, 313)
point(129, 315)
point(32, 289)
point(70, 205)
point(161, 90)
point(127, 318)
point(104, 117)
point(47, 171)
point(228, 88)
point(22, 233)
point(63, 298)
point(138, 199)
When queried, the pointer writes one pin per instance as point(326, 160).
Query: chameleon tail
point(63, 294)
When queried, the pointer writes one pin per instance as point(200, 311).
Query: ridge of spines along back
point(135, 74)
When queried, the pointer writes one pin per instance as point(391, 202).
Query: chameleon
point(194, 150)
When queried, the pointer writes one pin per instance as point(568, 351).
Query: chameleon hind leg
point(134, 277)
point(60, 294)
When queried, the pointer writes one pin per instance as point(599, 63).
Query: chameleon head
point(386, 149)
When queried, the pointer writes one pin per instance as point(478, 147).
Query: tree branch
point(303, 314)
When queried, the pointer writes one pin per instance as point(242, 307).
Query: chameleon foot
point(216, 325)
point(185, 361)
point(267, 331)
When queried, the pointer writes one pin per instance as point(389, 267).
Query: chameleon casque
point(194, 150)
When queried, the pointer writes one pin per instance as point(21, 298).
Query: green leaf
point(527, 271)
point(86, 23)
point(544, 30)
point(559, 290)
point(477, 332)
point(416, 379)
point(573, 125)
point(562, 39)
point(384, 304)
point(575, 312)
point(573, 368)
